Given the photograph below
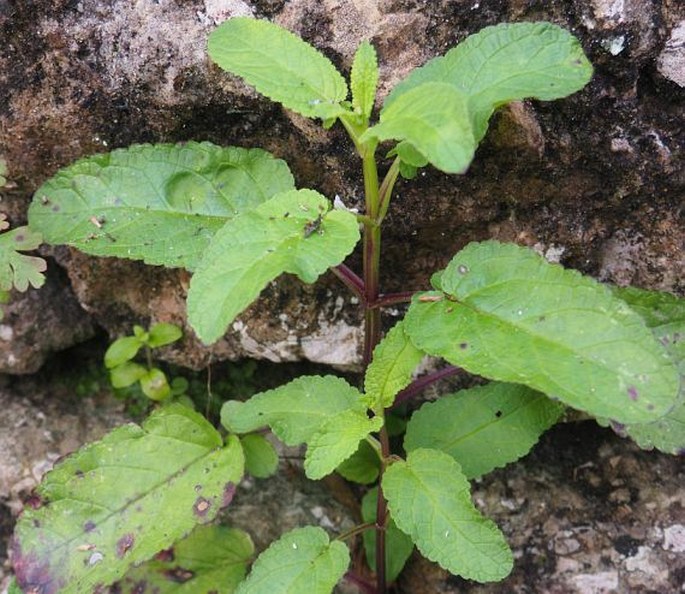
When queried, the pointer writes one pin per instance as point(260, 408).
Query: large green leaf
point(394, 360)
point(428, 497)
point(17, 270)
point(364, 79)
point(280, 66)
point(302, 560)
point(504, 63)
point(433, 120)
point(664, 314)
point(293, 232)
point(398, 546)
point(261, 459)
point(212, 560)
point(485, 427)
point(157, 203)
point(336, 440)
point(363, 466)
point(118, 501)
point(505, 313)
point(294, 411)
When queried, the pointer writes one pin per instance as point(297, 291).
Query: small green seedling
point(125, 372)
point(547, 338)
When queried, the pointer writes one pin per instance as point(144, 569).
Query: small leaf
point(364, 79)
point(398, 546)
point(126, 374)
point(504, 63)
point(261, 459)
point(280, 66)
point(117, 502)
point(302, 560)
point(294, 411)
point(294, 232)
point(394, 360)
point(507, 314)
point(664, 314)
point(211, 559)
point(17, 270)
point(428, 497)
point(434, 120)
point(121, 350)
point(155, 385)
point(485, 427)
point(12, 588)
point(336, 440)
point(157, 203)
point(362, 467)
point(163, 333)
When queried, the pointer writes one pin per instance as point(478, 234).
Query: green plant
point(545, 336)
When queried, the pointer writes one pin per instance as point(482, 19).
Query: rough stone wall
point(596, 180)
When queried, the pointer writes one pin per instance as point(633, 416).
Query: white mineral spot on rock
point(614, 45)
point(6, 332)
point(605, 582)
point(614, 10)
point(671, 61)
point(320, 514)
point(333, 344)
point(641, 562)
point(674, 538)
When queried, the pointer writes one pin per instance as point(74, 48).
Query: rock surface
point(597, 177)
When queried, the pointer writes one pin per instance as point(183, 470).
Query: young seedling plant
point(547, 338)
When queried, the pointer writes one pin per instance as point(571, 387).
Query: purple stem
point(351, 280)
point(386, 299)
point(423, 382)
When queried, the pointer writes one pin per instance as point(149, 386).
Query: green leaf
point(294, 411)
point(17, 270)
point(157, 203)
point(394, 360)
point(483, 428)
point(3, 178)
point(362, 467)
point(505, 63)
point(507, 314)
point(336, 440)
point(213, 559)
point(118, 501)
point(280, 66)
point(302, 560)
point(163, 333)
point(122, 350)
point(261, 459)
point(294, 232)
point(433, 119)
point(364, 79)
point(126, 374)
point(428, 497)
point(664, 314)
point(155, 385)
point(12, 588)
point(398, 546)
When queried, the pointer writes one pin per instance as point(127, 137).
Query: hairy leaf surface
point(398, 546)
point(664, 314)
point(280, 66)
point(504, 63)
point(213, 559)
point(261, 459)
point(429, 499)
point(394, 360)
point(485, 427)
point(157, 203)
point(302, 560)
point(118, 501)
point(433, 120)
point(293, 232)
point(363, 466)
point(364, 79)
point(17, 270)
point(294, 411)
point(503, 312)
point(336, 440)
